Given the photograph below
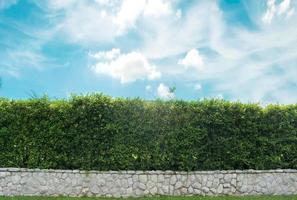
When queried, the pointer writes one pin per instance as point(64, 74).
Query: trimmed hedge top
point(101, 133)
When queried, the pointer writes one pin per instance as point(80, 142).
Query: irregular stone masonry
point(28, 182)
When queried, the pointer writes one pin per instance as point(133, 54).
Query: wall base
point(35, 182)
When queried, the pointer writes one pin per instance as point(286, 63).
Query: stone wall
point(147, 183)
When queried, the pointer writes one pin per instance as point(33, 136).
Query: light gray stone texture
point(36, 182)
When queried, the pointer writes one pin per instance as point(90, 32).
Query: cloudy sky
point(233, 49)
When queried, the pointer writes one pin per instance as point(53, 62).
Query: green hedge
point(101, 133)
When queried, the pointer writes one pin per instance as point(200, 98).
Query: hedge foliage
point(102, 133)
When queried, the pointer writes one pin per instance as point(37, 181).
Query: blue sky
point(233, 49)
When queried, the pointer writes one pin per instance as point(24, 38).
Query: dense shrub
point(102, 133)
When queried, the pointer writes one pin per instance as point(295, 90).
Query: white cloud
point(27, 58)
point(290, 13)
point(105, 2)
point(148, 88)
point(178, 13)
point(108, 55)
point(125, 67)
point(82, 22)
point(157, 8)
point(87, 24)
point(284, 7)
point(197, 86)
point(9, 71)
point(192, 30)
point(130, 10)
point(193, 59)
point(102, 21)
point(61, 4)
point(7, 3)
point(273, 9)
point(164, 92)
point(14, 61)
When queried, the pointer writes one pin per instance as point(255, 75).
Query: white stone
point(94, 189)
point(154, 178)
point(173, 180)
point(161, 178)
point(197, 185)
point(143, 178)
point(15, 179)
point(141, 186)
point(178, 185)
point(220, 189)
point(190, 190)
point(197, 191)
point(184, 190)
point(233, 182)
point(153, 190)
point(205, 189)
